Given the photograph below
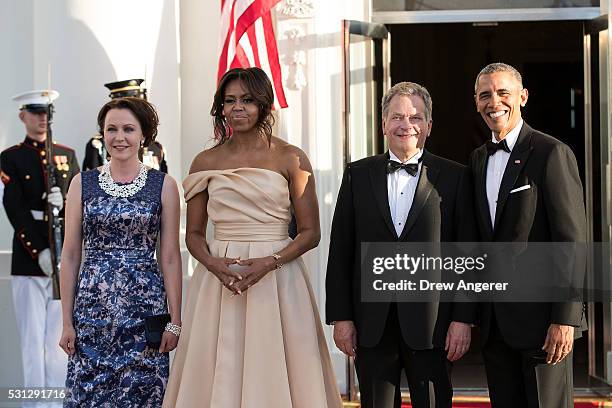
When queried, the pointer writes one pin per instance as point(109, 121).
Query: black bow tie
point(492, 148)
point(411, 168)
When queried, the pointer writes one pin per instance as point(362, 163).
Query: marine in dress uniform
point(23, 174)
point(153, 155)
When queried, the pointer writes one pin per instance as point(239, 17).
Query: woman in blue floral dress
point(114, 216)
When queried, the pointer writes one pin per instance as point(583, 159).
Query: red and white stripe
point(247, 40)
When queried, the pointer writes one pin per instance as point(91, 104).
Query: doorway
point(446, 58)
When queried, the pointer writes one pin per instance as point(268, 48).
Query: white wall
point(199, 38)
point(15, 74)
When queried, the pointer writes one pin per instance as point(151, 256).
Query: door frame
point(597, 124)
point(485, 15)
point(381, 39)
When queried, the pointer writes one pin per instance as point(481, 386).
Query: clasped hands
point(239, 279)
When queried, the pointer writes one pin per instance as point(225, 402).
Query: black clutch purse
point(154, 329)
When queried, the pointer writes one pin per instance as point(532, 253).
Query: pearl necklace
point(111, 188)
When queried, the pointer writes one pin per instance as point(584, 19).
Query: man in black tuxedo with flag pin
point(404, 195)
point(527, 189)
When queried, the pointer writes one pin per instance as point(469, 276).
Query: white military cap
point(36, 101)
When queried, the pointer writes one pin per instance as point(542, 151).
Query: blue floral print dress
point(119, 284)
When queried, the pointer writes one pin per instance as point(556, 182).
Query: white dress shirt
point(401, 187)
point(496, 167)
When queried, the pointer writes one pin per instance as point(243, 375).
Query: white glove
point(44, 261)
point(55, 198)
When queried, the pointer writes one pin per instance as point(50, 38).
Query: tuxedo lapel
point(482, 203)
point(516, 162)
point(378, 178)
point(427, 180)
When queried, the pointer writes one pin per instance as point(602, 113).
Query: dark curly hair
point(259, 87)
point(143, 110)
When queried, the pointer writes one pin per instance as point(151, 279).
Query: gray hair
point(499, 67)
point(407, 89)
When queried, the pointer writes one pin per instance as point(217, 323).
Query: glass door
point(366, 77)
point(598, 195)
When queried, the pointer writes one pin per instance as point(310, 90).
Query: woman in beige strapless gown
point(263, 347)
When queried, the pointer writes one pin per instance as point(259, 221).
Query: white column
point(199, 50)
point(15, 76)
point(89, 43)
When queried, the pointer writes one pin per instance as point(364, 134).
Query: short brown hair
point(143, 110)
point(259, 87)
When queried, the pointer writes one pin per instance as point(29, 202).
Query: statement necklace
point(110, 187)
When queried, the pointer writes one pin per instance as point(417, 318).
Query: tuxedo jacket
point(550, 210)
point(440, 211)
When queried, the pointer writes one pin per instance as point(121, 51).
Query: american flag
point(247, 40)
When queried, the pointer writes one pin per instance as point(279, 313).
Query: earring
point(141, 143)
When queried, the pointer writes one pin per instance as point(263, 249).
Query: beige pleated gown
point(264, 348)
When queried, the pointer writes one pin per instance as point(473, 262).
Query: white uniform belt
point(37, 215)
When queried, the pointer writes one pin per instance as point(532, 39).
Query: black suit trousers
point(521, 378)
point(379, 370)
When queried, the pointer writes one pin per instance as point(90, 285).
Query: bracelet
point(278, 264)
point(173, 328)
